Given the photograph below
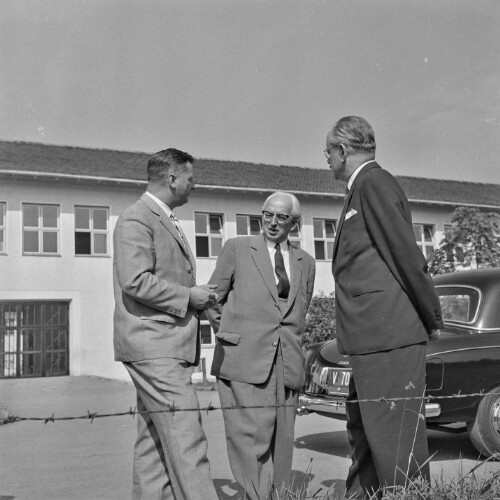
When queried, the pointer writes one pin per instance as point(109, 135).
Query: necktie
point(175, 220)
point(279, 269)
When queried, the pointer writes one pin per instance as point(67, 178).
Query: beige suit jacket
point(251, 320)
point(152, 273)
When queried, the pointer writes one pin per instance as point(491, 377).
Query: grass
point(466, 487)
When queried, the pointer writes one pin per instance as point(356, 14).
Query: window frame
point(92, 231)
point(423, 243)
point(40, 230)
point(208, 234)
point(324, 239)
point(248, 225)
point(3, 228)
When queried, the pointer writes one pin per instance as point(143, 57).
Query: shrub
point(320, 319)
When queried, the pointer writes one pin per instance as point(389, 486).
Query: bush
point(320, 319)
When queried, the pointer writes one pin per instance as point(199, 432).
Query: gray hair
point(355, 133)
point(296, 210)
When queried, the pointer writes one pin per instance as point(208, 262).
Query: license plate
point(333, 380)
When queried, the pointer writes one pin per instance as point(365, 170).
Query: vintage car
point(463, 363)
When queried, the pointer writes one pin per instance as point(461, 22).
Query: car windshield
point(459, 304)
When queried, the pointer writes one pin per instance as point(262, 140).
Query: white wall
point(86, 281)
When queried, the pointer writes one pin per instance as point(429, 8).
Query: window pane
point(49, 242)
point(318, 228)
point(30, 241)
point(2, 246)
point(329, 249)
point(206, 334)
point(200, 223)
point(417, 229)
point(100, 218)
point(330, 228)
point(215, 224)
point(202, 246)
point(2, 214)
point(241, 225)
point(82, 243)
point(428, 250)
point(428, 233)
point(255, 225)
point(30, 215)
point(82, 218)
point(100, 243)
point(49, 216)
point(216, 246)
point(319, 250)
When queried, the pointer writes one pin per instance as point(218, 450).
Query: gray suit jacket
point(252, 320)
point(152, 274)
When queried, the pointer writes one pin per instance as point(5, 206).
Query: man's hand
point(434, 335)
point(202, 297)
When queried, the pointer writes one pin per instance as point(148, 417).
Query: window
point(91, 231)
point(2, 227)
point(294, 236)
point(40, 229)
point(424, 234)
point(248, 224)
point(324, 237)
point(207, 334)
point(208, 229)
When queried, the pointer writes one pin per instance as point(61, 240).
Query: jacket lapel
point(260, 256)
point(296, 273)
point(346, 206)
point(167, 223)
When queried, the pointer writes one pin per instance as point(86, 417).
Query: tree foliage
point(320, 319)
point(472, 241)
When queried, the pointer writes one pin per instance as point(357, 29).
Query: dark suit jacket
point(252, 320)
point(152, 273)
point(383, 292)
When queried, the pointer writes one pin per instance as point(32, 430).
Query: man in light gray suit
point(156, 334)
point(264, 286)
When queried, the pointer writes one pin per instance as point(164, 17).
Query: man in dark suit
point(386, 310)
point(156, 334)
point(264, 286)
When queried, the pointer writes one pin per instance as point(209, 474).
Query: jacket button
point(189, 271)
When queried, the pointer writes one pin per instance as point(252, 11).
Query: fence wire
point(10, 419)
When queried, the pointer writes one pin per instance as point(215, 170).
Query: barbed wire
point(10, 419)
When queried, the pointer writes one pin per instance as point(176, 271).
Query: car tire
point(484, 431)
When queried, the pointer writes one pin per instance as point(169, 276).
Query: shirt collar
point(162, 205)
point(271, 245)
point(355, 173)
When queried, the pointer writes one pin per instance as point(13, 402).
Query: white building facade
point(58, 209)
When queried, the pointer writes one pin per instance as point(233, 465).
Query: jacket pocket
point(229, 337)
point(357, 293)
point(163, 318)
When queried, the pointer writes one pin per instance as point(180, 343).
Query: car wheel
point(484, 432)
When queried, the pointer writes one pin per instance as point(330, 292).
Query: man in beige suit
point(264, 286)
point(156, 334)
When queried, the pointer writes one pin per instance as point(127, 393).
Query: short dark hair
point(355, 133)
point(166, 162)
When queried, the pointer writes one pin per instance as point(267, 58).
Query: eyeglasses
point(329, 151)
point(280, 218)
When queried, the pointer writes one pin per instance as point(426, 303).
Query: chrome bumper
point(335, 407)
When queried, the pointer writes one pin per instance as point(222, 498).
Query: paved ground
point(81, 460)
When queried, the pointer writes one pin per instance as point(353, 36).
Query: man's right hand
point(202, 297)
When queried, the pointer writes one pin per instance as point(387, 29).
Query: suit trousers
point(388, 439)
point(170, 454)
point(260, 440)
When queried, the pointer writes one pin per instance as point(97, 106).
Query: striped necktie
point(175, 220)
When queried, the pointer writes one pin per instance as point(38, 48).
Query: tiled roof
point(34, 157)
